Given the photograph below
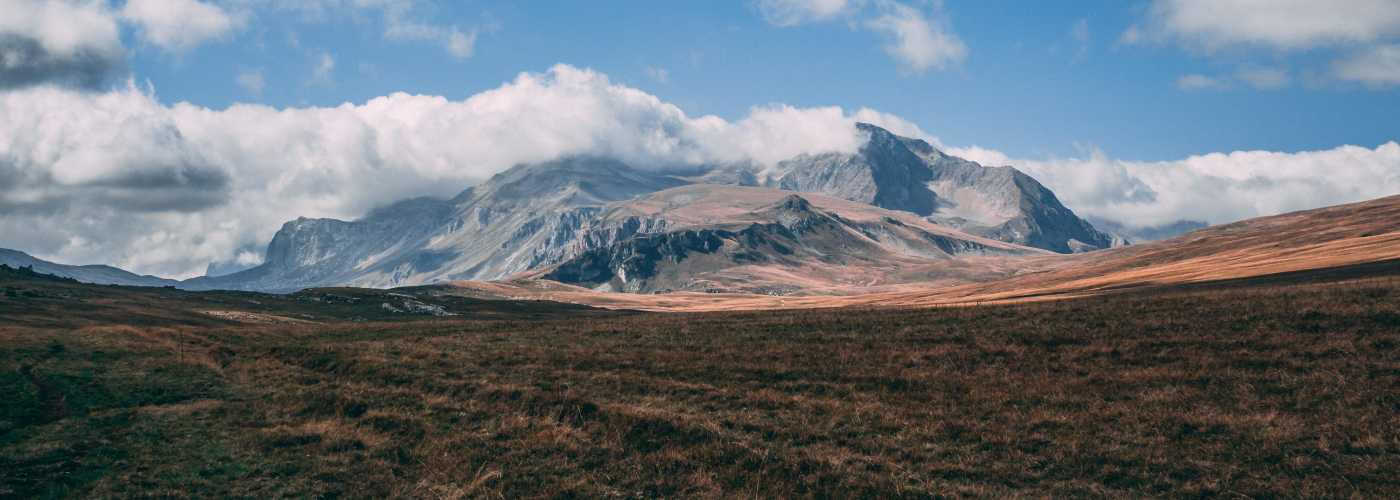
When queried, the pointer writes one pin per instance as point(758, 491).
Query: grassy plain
point(1269, 391)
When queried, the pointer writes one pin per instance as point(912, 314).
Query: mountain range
point(1354, 243)
point(99, 274)
point(896, 211)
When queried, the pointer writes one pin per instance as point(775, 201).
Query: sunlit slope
point(1326, 238)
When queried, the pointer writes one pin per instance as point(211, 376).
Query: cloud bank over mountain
point(1216, 188)
point(119, 177)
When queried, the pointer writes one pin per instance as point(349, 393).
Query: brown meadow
point(1284, 391)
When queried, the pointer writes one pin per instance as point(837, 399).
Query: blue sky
point(163, 136)
point(1028, 86)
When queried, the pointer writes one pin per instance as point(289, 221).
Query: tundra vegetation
point(1258, 391)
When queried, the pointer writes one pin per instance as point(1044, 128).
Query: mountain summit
point(900, 173)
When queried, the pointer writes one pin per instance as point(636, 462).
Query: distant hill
point(98, 274)
point(28, 272)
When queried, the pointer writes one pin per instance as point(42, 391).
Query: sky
point(161, 136)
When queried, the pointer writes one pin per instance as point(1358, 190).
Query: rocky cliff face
point(899, 173)
point(526, 217)
point(754, 240)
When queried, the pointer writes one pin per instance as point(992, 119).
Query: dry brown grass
point(1278, 392)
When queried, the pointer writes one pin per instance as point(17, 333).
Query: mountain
point(520, 219)
point(1144, 234)
point(569, 228)
point(767, 241)
point(899, 173)
point(614, 228)
point(98, 274)
point(915, 205)
point(1357, 243)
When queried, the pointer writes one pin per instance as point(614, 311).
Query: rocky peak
point(901, 173)
point(791, 203)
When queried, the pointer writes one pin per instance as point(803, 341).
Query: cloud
point(1368, 29)
point(1217, 187)
point(1251, 74)
point(78, 43)
point(74, 44)
point(1080, 34)
point(1263, 78)
point(1287, 25)
point(916, 41)
point(325, 67)
point(122, 179)
point(795, 12)
point(369, 69)
point(1377, 67)
point(179, 25)
point(1200, 82)
point(251, 80)
point(659, 74)
point(457, 44)
point(101, 174)
point(400, 22)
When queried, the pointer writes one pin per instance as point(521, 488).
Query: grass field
point(1278, 392)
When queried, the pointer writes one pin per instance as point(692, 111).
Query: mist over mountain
point(1144, 234)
